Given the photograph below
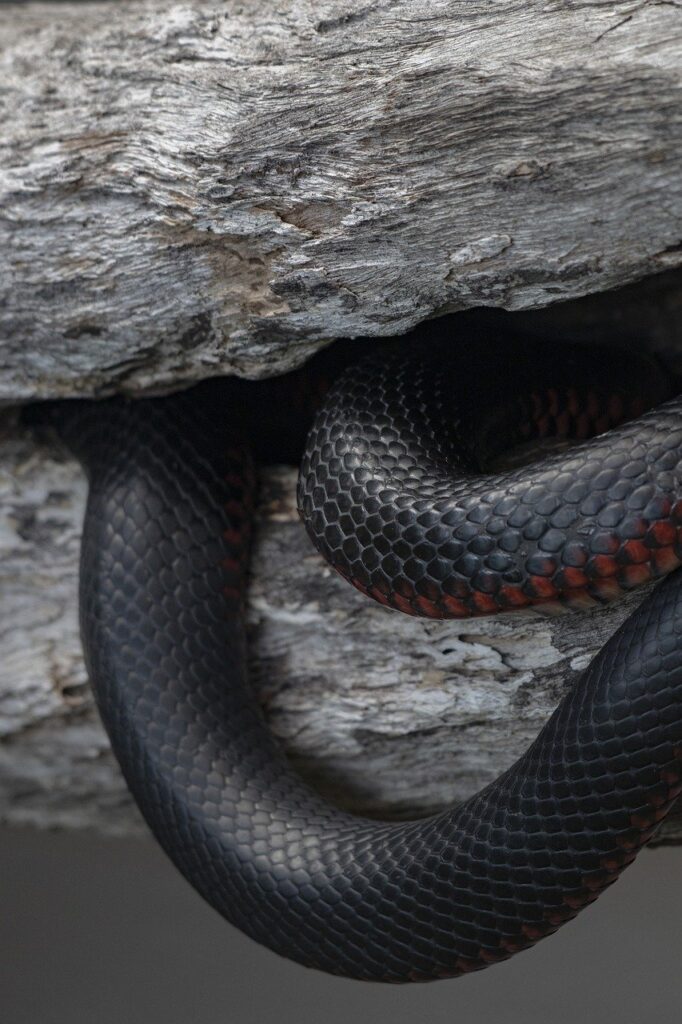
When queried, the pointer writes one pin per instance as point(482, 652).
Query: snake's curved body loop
point(164, 560)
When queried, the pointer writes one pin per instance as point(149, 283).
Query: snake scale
point(401, 490)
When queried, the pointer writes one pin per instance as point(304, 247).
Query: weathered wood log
point(211, 188)
point(207, 187)
point(388, 715)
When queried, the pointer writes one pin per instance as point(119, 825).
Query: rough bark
point(387, 714)
point(207, 187)
point(210, 188)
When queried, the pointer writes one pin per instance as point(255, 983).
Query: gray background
point(106, 932)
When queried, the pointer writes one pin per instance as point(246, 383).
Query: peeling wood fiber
point(204, 188)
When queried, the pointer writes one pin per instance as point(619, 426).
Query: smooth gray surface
point(105, 932)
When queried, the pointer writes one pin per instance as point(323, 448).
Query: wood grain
point(201, 188)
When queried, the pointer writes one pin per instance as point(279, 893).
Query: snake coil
point(399, 490)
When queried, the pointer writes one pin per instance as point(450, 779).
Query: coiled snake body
point(396, 489)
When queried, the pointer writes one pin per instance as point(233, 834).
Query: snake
point(404, 490)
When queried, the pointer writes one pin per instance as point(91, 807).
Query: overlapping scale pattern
point(394, 492)
point(164, 562)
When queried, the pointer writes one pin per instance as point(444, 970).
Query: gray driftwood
point(207, 187)
point(195, 189)
point(389, 715)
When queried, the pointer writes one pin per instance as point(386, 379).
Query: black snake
point(400, 492)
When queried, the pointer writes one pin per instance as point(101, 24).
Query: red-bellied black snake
point(398, 489)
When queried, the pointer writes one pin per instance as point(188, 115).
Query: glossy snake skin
point(399, 490)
